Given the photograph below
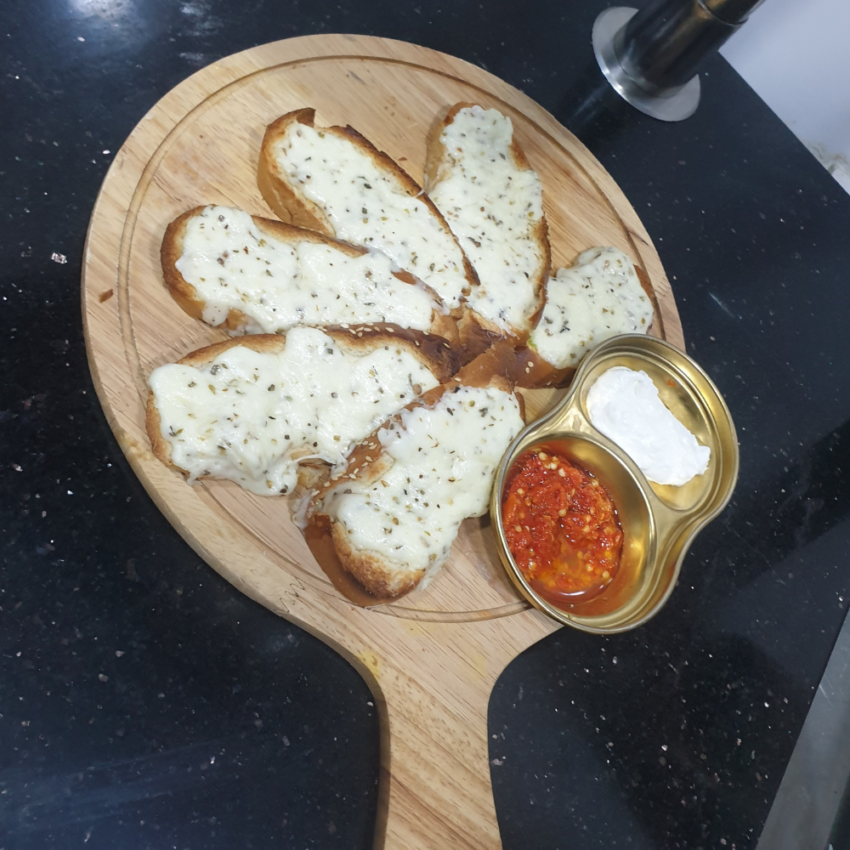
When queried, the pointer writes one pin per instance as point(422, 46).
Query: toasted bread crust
point(442, 324)
point(534, 373)
point(368, 462)
point(382, 582)
point(160, 447)
point(646, 286)
point(290, 205)
point(540, 233)
point(436, 169)
point(476, 335)
point(169, 253)
point(432, 351)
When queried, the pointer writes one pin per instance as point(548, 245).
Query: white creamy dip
point(493, 207)
point(624, 405)
point(250, 416)
point(598, 297)
point(367, 206)
point(277, 284)
point(443, 462)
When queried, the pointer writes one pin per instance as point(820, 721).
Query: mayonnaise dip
point(624, 405)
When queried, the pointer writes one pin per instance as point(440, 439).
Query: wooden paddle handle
point(432, 682)
point(434, 788)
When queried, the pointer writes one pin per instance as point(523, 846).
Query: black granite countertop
point(145, 703)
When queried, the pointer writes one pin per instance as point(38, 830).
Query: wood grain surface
point(431, 659)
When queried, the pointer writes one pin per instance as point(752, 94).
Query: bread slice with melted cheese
point(335, 181)
point(393, 508)
point(601, 295)
point(250, 409)
point(254, 275)
point(480, 179)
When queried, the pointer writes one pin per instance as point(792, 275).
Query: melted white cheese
point(366, 206)
point(492, 206)
point(250, 416)
point(624, 405)
point(598, 297)
point(277, 284)
point(443, 462)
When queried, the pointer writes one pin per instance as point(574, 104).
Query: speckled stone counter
point(145, 703)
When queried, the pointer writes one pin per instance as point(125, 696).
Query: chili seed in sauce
point(569, 542)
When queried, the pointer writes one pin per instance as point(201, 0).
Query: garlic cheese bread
point(479, 178)
point(251, 408)
point(254, 275)
point(394, 507)
point(333, 180)
point(601, 295)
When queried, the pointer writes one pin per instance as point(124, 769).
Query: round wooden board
point(431, 658)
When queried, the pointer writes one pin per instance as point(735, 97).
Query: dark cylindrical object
point(651, 56)
point(732, 11)
point(665, 42)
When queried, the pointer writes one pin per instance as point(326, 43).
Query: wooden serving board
point(431, 659)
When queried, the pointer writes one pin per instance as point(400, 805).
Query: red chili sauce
point(562, 528)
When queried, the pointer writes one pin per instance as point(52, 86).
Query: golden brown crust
point(382, 582)
point(169, 253)
point(442, 324)
point(445, 326)
point(312, 473)
point(367, 462)
point(534, 373)
point(262, 343)
point(646, 286)
point(159, 445)
point(495, 367)
point(437, 168)
point(435, 150)
point(433, 351)
point(540, 234)
point(290, 204)
point(476, 335)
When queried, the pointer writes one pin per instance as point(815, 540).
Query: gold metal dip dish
point(658, 521)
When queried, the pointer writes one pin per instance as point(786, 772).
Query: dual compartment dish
point(659, 522)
